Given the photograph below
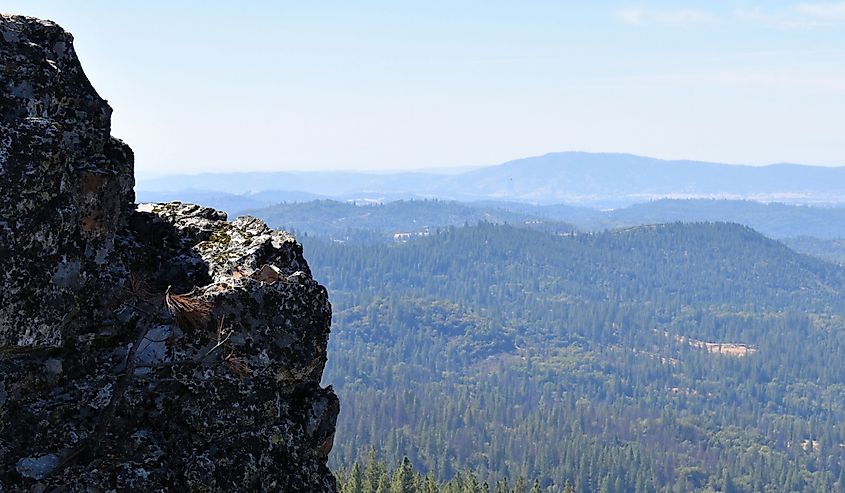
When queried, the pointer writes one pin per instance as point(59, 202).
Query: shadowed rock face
point(157, 348)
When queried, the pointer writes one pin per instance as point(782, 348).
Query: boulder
point(157, 347)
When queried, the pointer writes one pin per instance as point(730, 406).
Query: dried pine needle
point(237, 365)
point(190, 311)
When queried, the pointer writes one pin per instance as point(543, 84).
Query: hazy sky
point(252, 85)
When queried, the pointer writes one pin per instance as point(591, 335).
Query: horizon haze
point(601, 180)
point(279, 86)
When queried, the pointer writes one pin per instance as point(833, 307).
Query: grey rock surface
point(142, 348)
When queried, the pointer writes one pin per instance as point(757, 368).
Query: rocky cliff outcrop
point(148, 348)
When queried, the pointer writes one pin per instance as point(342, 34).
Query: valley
point(662, 358)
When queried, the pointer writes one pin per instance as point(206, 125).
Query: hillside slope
point(652, 358)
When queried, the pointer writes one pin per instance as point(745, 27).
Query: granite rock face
point(142, 348)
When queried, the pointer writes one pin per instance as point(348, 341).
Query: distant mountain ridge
point(775, 220)
point(346, 220)
point(597, 180)
point(394, 220)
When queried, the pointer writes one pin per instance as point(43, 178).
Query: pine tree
point(373, 472)
point(383, 483)
point(431, 484)
point(503, 486)
point(403, 478)
point(471, 483)
point(355, 480)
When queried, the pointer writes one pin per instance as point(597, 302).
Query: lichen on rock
point(142, 348)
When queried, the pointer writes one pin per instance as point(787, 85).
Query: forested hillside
point(375, 475)
point(681, 357)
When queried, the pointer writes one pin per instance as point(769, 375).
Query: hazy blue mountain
point(229, 202)
point(383, 221)
point(584, 217)
point(270, 197)
point(612, 179)
point(336, 219)
point(233, 204)
point(323, 183)
point(598, 180)
point(832, 250)
point(773, 220)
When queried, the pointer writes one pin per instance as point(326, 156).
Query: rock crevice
point(142, 348)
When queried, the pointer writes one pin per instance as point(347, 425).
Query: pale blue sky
point(263, 85)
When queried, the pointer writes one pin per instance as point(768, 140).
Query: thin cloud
point(757, 79)
point(796, 16)
point(685, 17)
point(831, 11)
point(635, 16)
point(629, 15)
